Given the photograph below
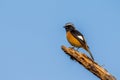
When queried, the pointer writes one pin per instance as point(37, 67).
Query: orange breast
point(72, 40)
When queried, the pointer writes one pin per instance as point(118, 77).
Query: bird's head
point(69, 27)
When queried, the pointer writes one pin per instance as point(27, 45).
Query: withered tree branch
point(89, 64)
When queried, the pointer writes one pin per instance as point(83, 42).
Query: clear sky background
point(31, 35)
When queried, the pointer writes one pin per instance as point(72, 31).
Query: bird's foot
point(71, 47)
point(77, 49)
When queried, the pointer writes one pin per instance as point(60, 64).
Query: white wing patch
point(80, 37)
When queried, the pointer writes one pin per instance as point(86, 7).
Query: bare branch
point(89, 64)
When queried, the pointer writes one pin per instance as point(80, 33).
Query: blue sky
point(31, 35)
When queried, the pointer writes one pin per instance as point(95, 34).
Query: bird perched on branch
point(75, 38)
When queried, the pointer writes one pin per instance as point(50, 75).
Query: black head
point(69, 27)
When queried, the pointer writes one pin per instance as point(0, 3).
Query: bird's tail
point(90, 54)
point(86, 47)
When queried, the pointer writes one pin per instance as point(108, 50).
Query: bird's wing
point(79, 37)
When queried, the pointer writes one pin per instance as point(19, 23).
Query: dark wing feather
point(76, 33)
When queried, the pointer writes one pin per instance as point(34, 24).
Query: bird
point(76, 38)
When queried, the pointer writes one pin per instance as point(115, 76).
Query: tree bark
point(89, 64)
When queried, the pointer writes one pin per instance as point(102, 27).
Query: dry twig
point(89, 64)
